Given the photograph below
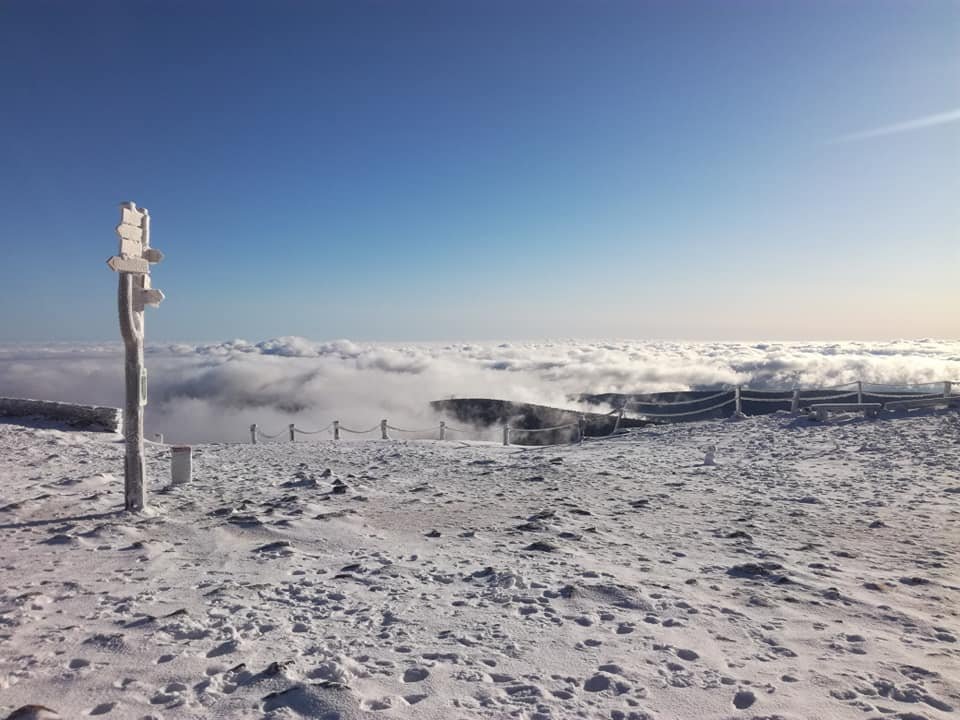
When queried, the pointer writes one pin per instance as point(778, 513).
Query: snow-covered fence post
point(506, 434)
point(336, 429)
point(383, 430)
point(581, 427)
point(134, 292)
point(860, 392)
point(292, 428)
point(709, 455)
point(738, 408)
point(181, 464)
point(947, 388)
point(443, 430)
point(795, 402)
point(253, 434)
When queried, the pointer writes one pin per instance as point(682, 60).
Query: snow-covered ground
point(812, 572)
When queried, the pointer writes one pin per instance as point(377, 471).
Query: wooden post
point(947, 388)
point(253, 434)
point(582, 427)
point(336, 429)
point(737, 409)
point(131, 328)
point(181, 464)
point(443, 430)
point(293, 437)
point(383, 430)
point(795, 403)
point(860, 391)
point(506, 434)
point(132, 266)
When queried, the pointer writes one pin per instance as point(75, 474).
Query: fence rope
point(678, 402)
point(264, 435)
point(828, 397)
point(905, 385)
point(689, 412)
point(435, 428)
point(901, 397)
point(459, 430)
point(360, 432)
point(312, 432)
point(546, 429)
point(744, 398)
point(617, 430)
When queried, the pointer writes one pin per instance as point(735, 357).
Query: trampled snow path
point(812, 572)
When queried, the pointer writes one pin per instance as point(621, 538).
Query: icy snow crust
point(811, 571)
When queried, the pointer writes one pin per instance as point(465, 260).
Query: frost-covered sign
point(132, 263)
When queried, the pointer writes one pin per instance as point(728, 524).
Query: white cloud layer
point(203, 393)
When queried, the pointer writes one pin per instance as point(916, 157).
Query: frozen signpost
point(133, 265)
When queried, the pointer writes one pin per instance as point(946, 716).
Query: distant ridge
point(488, 412)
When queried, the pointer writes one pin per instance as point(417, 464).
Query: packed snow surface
point(765, 568)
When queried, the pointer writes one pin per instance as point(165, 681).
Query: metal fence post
point(292, 430)
point(253, 434)
point(443, 430)
point(738, 409)
point(795, 403)
point(383, 430)
point(506, 434)
point(582, 427)
point(947, 388)
point(860, 392)
point(336, 429)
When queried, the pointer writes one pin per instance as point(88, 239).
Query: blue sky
point(457, 170)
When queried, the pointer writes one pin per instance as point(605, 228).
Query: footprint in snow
point(744, 699)
point(415, 674)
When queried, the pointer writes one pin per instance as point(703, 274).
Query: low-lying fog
point(206, 393)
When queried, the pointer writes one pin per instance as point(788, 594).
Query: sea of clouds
point(213, 392)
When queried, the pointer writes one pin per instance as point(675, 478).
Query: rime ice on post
point(132, 265)
point(738, 403)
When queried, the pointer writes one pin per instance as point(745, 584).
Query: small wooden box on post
point(134, 293)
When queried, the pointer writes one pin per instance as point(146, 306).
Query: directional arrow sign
point(131, 216)
point(130, 265)
point(131, 248)
point(149, 296)
point(130, 232)
point(152, 255)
